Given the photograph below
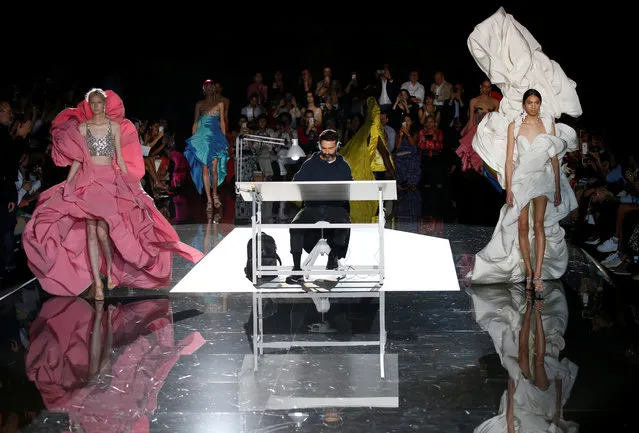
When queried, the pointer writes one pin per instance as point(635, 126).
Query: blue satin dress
point(206, 144)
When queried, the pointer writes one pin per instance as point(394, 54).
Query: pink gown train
point(469, 158)
point(142, 240)
point(120, 396)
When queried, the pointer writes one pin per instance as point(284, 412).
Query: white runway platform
point(413, 263)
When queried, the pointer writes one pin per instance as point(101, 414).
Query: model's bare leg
point(108, 341)
point(96, 339)
point(540, 234)
point(523, 227)
point(94, 258)
point(523, 356)
point(107, 251)
point(540, 239)
point(558, 405)
point(206, 180)
point(541, 379)
point(216, 199)
point(510, 410)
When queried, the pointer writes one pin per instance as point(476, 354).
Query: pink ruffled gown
point(55, 238)
point(120, 397)
point(469, 158)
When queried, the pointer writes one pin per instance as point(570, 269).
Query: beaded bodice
point(101, 146)
point(212, 112)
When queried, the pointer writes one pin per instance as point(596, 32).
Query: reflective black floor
point(151, 361)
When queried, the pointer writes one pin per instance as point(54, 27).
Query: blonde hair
point(96, 91)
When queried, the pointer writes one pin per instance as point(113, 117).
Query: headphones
point(322, 135)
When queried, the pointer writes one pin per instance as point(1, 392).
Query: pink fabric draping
point(469, 158)
point(118, 397)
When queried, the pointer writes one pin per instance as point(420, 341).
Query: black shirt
point(315, 169)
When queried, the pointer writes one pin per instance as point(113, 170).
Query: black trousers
point(607, 221)
point(305, 239)
point(433, 170)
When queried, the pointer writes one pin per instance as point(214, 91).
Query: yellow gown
point(362, 156)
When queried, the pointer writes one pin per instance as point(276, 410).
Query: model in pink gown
point(142, 240)
point(136, 347)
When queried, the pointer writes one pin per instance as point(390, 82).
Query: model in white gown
point(501, 311)
point(501, 259)
point(512, 59)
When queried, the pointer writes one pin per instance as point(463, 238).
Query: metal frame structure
point(242, 141)
point(251, 191)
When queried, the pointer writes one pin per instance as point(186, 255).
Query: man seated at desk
point(324, 165)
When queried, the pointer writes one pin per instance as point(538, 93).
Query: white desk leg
point(258, 251)
point(382, 331)
point(255, 336)
point(255, 238)
point(260, 315)
point(381, 222)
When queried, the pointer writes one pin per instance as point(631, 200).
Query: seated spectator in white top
point(415, 88)
point(252, 111)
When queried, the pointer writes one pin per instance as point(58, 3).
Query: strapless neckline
point(530, 143)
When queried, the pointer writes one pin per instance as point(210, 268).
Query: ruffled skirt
point(142, 240)
point(208, 143)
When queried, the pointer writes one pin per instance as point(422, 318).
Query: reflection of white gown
point(498, 312)
point(512, 59)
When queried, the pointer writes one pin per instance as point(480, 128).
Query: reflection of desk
point(432, 270)
point(258, 192)
point(330, 381)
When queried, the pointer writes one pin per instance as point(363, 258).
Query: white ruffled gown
point(512, 60)
point(533, 176)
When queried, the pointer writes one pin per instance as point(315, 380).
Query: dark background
point(158, 60)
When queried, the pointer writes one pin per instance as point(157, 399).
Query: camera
point(404, 124)
point(428, 136)
point(380, 72)
point(353, 76)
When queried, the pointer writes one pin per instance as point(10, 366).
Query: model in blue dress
point(207, 149)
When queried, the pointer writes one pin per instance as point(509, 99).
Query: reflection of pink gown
point(119, 397)
point(55, 238)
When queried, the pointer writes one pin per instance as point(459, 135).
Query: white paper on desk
point(145, 150)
